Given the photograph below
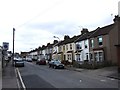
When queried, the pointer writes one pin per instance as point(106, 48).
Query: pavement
point(9, 79)
point(111, 72)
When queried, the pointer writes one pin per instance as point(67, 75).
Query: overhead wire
point(41, 13)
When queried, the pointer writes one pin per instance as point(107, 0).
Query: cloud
point(37, 21)
point(60, 27)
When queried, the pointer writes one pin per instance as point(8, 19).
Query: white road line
point(112, 79)
point(30, 63)
point(80, 80)
point(21, 79)
point(103, 80)
point(17, 79)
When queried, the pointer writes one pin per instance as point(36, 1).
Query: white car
point(29, 59)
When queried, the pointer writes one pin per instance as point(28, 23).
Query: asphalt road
point(41, 76)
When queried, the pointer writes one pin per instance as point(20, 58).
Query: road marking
point(30, 63)
point(112, 79)
point(17, 79)
point(21, 79)
point(80, 80)
point(103, 80)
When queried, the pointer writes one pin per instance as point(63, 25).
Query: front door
point(64, 57)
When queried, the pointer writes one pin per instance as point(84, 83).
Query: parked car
point(56, 64)
point(29, 59)
point(19, 63)
point(24, 59)
point(41, 62)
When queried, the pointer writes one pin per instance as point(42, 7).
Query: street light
point(56, 37)
point(13, 42)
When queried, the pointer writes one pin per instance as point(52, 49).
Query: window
point(92, 43)
point(100, 56)
point(66, 47)
point(70, 46)
point(100, 40)
point(80, 45)
point(77, 46)
point(78, 57)
point(59, 48)
point(68, 56)
point(50, 50)
point(85, 43)
point(96, 56)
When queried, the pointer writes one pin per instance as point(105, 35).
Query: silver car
point(19, 63)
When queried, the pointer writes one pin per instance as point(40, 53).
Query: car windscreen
point(57, 62)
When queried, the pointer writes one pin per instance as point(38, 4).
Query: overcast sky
point(37, 21)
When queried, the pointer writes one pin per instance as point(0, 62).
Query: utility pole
point(13, 42)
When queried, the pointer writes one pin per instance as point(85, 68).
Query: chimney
point(116, 19)
point(66, 37)
point(84, 30)
point(48, 44)
point(55, 41)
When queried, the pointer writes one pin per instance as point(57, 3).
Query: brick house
point(102, 44)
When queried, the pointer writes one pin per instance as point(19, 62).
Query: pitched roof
point(84, 36)
point(69, 40)
point(50, 45)
point(102, 31)
point(72, 39)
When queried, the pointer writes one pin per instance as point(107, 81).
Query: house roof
point(70, 40)
point(50, 45)
point(43, 47)
point(84, 36)
point(102, 31)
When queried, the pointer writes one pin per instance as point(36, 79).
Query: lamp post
point(56, 47)
point(13, 42)
point(56, 37)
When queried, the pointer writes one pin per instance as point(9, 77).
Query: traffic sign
point(5, 45)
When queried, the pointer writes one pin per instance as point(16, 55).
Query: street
point(41, 76)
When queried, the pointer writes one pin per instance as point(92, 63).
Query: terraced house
point(98, 47)
point(48, 51)
point(102, 44)
point(82, 47)
point(69, 48)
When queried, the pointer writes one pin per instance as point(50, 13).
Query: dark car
point(41, 62)
point(56, 64)
point(19, 63)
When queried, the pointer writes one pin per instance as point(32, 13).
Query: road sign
point(5, 45)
